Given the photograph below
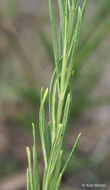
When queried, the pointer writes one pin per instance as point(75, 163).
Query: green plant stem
point(60, 92)
point(59, 110)
point(63, 74)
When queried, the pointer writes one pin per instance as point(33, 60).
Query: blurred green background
point(26, 64)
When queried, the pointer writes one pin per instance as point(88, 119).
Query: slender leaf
point(50, 99)
point(71, 154)
point(35, 162)
point(61, 36)
point(67, 162)
point(66, 113)
point(56, 172)
point(53, 110)
point(84, 7)
point(54, 34)
point(75, 39)
point(58, 182)
point(28, 180)
point(30, 168)
point(43, 129)
point(55, 150)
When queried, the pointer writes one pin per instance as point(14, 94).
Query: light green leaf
point(66, 113)
point(71, 154)
point(28, 180)
point(42, 127)
point(35, 162)
point(53, 110)
point(67, 162)
point(75, 45)
point(50, 99)
point(55, 150)
point(61, 36)
point(84, 7)
point(56, 172)
point(30, 168)
point(54, 35)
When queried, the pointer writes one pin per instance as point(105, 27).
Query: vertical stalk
point(61, 80)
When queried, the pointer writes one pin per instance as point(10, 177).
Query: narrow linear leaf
point(49, 138)
point(60, 42)
point(50, 98)
point(84, 7)
point(75, 45)
point(76, 7)
point(58, 182)
point(68, 86)
point(66, 113)
point(55, 150)
point(28, 180)
point(71, 154)
point(54, 34)
point(53, 110)
point(70, 27)
point(60, 4)
point(35, 162)
point(51, 92)
point(56, 172)
point(67, 162)
point(30, 168)
point(65, 26)
point(42, 126)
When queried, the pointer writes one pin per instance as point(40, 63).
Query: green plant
point(24, 87)
point(71, 16)
point(93, 34)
